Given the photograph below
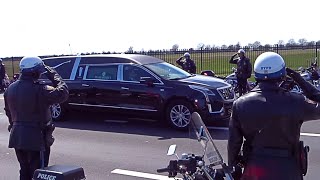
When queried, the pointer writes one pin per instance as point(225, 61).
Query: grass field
point(216, 61)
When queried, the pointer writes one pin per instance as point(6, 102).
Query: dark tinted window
point(102, 72)
point(62, 65)
point(134, 73)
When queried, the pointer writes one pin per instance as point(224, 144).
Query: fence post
point(278, 48)
point(12, 64)
point(201, 58)
point(317, 50)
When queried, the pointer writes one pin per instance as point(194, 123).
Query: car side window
point(102, 72)
point(134, 73)
point(80, 72)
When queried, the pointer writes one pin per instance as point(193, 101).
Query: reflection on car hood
point(205, 80)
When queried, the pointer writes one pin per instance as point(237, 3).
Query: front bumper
point(218, 111)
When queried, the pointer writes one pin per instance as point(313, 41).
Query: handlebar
point(162, 170)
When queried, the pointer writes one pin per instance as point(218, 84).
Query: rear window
point(62, 65)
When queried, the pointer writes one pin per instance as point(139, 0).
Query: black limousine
point(132, 85)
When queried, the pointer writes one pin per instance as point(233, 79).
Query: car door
point(139, 96)
point(77, 89)
point(101, 88)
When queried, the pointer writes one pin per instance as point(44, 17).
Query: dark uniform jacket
point(2, 71)
point(244, 67)
point(269, 118)
point(27, 105)
point(187, 65)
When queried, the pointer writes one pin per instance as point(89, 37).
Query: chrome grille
point(226, 93)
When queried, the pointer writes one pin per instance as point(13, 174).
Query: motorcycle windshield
point(201, 133)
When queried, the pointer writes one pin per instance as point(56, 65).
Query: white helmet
point(31, 64)
point(269, 65)
point(186, 54)
point(241, 51)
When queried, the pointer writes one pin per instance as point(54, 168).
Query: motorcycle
point(230, 79)
point(207, 166)
point(15, 77)
point(311, 75)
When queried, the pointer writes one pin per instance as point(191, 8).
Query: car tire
point(57, 112)
point(178, 114)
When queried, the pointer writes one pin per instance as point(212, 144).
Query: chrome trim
point(115, 107)
point(226, 100)
point(215, 112)
point(75, 68)
point(58, 65)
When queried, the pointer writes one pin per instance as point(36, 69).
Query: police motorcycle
point(208, 165)
point(311, 74)
point(5, 82)
point(230, 79)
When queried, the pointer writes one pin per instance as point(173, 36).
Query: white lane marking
point(302, 134)
point(141, 174)
point(1, 97)
point(310, 134)
point(1, 113)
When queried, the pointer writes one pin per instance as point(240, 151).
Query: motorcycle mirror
point(172, 150)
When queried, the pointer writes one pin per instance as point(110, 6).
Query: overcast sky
point(43, 27)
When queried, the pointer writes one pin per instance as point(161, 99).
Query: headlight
point(204, 90)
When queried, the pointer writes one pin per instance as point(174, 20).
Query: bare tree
point(256, 44)
point(200, 46)
point(224, 46)
point(237, 46)
point(302, 42)
point(130, 50)
point(281, 43)
point(207, 47)
point(175, 47)
point(291, 42)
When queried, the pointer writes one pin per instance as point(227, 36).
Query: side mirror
point(147, 80)
point(172, 150)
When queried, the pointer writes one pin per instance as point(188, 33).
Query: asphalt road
point(126, 149)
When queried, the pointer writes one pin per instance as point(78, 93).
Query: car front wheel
point(56, 112)
point(178, 114)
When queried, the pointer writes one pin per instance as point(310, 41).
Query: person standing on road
point(27, 105)
point(2, 76)
point(187, 63)
point(244, 70)
point(266, 123)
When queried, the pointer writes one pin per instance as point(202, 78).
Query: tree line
point(256, 44)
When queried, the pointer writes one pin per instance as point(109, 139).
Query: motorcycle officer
point(27, 105)
point(244, 69)
point(266, 122)
point(187, 63)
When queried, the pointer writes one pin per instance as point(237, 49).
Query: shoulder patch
point(47, 87)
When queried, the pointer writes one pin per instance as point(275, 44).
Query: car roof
point(135, 58)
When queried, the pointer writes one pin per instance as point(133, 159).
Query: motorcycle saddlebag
point(59, 172)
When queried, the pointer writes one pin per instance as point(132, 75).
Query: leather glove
point(50, 72)
point(294, 75)
point(308, 89)
point(9, 127)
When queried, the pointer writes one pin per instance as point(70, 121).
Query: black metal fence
point(217, 59)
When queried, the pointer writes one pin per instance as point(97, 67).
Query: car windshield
point(168, 71)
